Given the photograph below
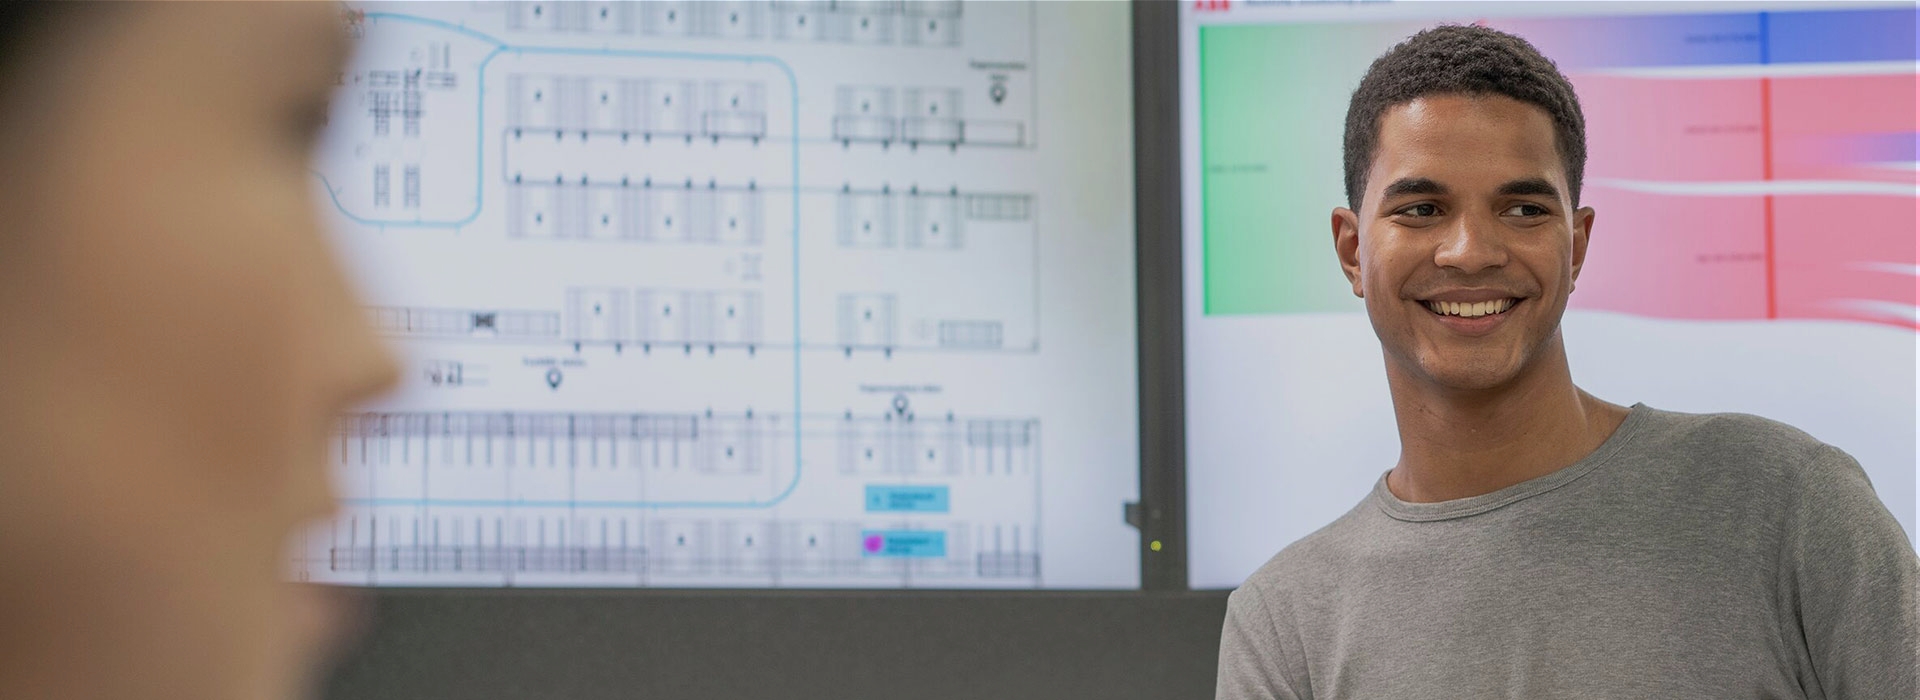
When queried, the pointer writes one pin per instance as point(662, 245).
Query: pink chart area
point(1752, 197)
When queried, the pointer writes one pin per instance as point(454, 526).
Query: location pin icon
point(553, 377)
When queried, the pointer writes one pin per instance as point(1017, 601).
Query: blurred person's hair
point(21, 23)
point(1469, 60)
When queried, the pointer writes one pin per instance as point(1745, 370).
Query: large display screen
point(1753, 171)
point(738, 294)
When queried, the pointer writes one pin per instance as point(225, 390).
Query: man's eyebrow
point(1412, 185)
point(1530, 186)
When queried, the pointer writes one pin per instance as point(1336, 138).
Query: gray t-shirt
point(1690, 556)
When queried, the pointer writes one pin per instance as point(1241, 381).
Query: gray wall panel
point(588, 645)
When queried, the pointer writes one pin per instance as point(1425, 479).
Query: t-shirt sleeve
point(1853, 580)
point(1254, 653)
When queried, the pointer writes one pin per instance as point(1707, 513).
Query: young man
point(1534, 541)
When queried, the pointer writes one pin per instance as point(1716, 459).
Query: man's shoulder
point(1760, 451)
point(1726, 429)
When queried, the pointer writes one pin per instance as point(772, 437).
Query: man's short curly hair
point(1459, 59)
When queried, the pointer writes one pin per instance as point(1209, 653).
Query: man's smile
point(1471, 312)
point(1471, 309)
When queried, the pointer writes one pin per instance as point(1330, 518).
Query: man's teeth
point(1470, 309)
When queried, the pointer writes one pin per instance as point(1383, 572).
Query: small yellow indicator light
point(1154, 545)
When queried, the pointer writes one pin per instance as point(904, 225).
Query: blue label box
point(906, 544)
point(906, 499)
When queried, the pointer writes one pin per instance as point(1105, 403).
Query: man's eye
point(1525, 210)
point(1421, 210)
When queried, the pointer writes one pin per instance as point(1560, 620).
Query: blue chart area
point(586, 231)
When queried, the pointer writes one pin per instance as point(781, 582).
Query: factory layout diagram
point(689, 294)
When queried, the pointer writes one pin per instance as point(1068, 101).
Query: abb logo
point(1210, 5)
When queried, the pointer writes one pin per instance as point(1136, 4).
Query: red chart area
point(1752, 197)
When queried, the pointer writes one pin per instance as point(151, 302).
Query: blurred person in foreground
point(1535, 541)
point(175, 339)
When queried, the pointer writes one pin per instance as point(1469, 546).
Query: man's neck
point(1457, 444)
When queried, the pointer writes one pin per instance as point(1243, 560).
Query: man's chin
point(1467, 375)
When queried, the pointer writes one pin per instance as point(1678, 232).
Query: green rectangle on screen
point(1273, 102)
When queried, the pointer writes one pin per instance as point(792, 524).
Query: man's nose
point(1471, 244)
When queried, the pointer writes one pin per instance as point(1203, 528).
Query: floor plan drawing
point(738, 294)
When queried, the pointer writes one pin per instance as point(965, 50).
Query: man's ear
point(1346, 245)
point(1582, 233)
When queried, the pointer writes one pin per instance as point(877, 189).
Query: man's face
point(1466, 243)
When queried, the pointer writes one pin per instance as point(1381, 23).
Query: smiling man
point(1535, 541)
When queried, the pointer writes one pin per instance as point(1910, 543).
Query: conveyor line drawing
point(732, 215)
point(690, 317)
point(691, 442)
point(478, 324)
point(869, 22)
point(598, 315)
point(524, 494)
point(698, 317)
point(647, 317)
point(633, 107)
point(917, 116)
point(905, 445)
point(891, 443)
point(659, 549)
point(922, 220)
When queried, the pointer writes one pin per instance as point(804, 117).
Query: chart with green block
point(1272, 104)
